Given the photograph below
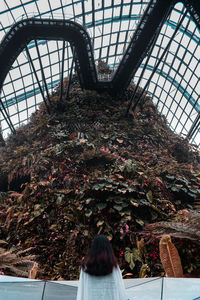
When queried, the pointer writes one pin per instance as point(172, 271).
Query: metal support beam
point(42, 71)
point(159, 61)
point(36, 76)
point(70, 74)
point(2, 142)
point(62, 71)
point(145, 66)
point(7, 117)
point(138, 83)
point(194, 126)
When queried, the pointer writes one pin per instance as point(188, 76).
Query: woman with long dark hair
point(100, 277)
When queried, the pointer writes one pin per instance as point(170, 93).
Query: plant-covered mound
point(89, 168)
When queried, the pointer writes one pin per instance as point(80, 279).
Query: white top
point(109, 287)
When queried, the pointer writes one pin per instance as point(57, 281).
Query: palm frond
point(170, 258)
point(15, 263)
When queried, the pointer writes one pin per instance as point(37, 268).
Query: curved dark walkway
point(26, 30)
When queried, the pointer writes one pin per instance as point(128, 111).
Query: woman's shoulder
point(116, 270)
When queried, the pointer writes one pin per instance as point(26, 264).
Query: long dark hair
point(100, 259)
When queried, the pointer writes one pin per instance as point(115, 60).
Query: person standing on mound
point(100, 276)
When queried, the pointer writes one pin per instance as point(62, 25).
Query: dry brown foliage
point(15, 263)
point(170, 258)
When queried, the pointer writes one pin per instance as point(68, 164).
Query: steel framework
point(155, 43)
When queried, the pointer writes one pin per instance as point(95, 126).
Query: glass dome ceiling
point(168, 69)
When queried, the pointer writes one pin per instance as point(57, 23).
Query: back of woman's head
point(101, 259)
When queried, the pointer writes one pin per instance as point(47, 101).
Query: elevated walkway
point(17, 39)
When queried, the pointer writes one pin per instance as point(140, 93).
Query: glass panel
point(150, 290)
point(21, 290)
point(181, 289)
point(56, 291)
